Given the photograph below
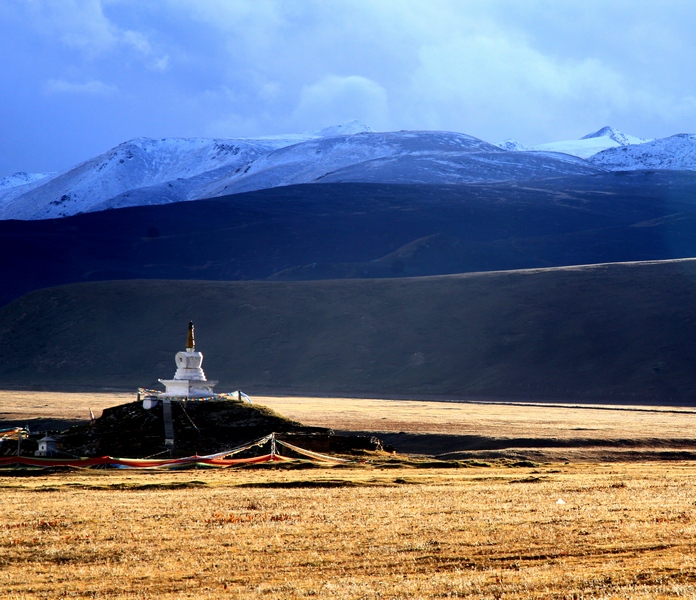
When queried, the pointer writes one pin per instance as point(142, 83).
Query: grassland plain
point(651, 426)
point(622, 531)
point(384, 527)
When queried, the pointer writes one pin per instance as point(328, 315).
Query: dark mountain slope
point(356, 230)
point(620, 332)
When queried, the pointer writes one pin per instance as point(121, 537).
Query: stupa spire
point(190, 343)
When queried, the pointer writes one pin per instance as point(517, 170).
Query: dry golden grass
point(485, 419)
point(489, 419)
point(376, 529)
point(625, 531)
point(17, 405)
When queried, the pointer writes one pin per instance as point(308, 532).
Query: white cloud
point(253, 16)
point(92, 87)
point(83, 25)
point(160, 64)
point(232, 126)
point(470, 67)
point(538, 70)
point(481, 83)
point(78, 23)
point(335, 99)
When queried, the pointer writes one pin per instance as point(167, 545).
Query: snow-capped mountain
point(677, 152)
point(349, 128)
point(145, 171)
point(615, 135)
point(461, 167)
point(512, 145)
point(131, 165)
point(396, 157)
point(22, 178)
point(590, 144)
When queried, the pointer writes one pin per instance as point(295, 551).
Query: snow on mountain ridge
point(148, 164)
point(149, 171)
point(614, 134)
point(22, 178)
point(512, 145)
point(586, 146)
point(461, 167)
point(131, 165)
point(289, 139)
point(677, 152)
point(349, 128)
point(314, 159)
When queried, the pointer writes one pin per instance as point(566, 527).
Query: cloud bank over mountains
point(89, 74)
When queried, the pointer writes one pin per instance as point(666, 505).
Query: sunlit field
point(385, 526)
point(588, 531)
point(490, 419)
point(17, 405)
point(451, 418)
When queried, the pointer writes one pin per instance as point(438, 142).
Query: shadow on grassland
point(611, 333)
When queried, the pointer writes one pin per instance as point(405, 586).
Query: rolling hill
point(326, 231)
point(613, 333)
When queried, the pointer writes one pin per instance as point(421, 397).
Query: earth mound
point(130, 431)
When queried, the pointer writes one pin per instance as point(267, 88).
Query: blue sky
point(81, 76)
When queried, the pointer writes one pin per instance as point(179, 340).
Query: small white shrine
point(189, 380)
point(47, 447)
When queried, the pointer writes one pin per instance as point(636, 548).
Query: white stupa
point(189, 380)
point(189, 383)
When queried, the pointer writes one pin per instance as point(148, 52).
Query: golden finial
point(190, 343)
